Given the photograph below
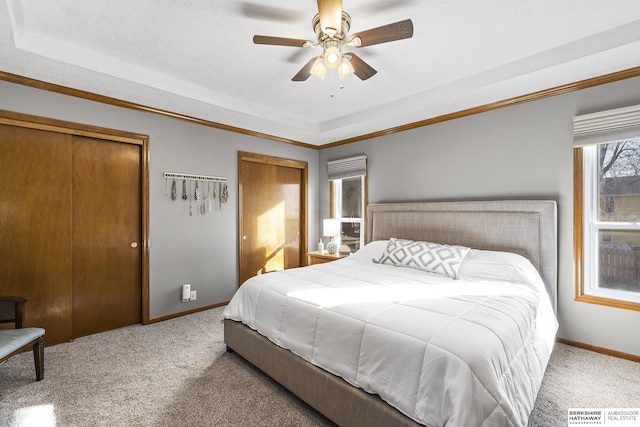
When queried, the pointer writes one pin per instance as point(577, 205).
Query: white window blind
point(606, 126)
point(347, 168)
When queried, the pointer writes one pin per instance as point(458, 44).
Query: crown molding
point(534, 96)
point(65, 90)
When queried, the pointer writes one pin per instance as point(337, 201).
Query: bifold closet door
point(106, 235)
point(70, 229)
point(271, 217)
point(35, 226)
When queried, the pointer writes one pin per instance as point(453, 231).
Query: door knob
point(134, 245)
point(244, 237)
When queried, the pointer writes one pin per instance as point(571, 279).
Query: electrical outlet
point(193, 295)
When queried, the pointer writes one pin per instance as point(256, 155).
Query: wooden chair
point(19, 339)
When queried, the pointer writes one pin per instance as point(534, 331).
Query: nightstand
point(319, 258)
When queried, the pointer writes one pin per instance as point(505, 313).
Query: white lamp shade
point(318, 69)
point(345, 68)
point(331, 227)
point(332, 57)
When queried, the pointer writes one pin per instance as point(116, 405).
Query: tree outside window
point(612, 219)
point(606, 204)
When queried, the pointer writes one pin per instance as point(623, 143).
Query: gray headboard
point(526, 227)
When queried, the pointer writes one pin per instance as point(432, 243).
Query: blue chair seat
point(14, 339)
point(19, 339)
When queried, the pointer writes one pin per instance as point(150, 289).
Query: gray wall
point(200, 250)
point(523, 151)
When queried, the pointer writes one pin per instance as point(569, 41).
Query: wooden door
point(106, 235)
point(35, 226)
point(272, 211)
point(70, 209)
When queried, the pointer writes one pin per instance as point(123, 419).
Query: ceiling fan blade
point(281, 41)
point(386, 33)
point(305, 71)
point(360, 68)
point(330, 12)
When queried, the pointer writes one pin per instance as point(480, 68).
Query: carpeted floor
point(178, 373)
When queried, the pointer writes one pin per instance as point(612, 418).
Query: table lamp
point(331, 229)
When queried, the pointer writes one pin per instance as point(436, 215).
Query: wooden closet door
point(289, 184)
point(272, 212)
point(35, 226)
point(106, 235)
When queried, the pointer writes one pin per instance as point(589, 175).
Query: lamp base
point(332, 247)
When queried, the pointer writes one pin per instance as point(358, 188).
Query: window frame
point(333, 207)
point(583, 205)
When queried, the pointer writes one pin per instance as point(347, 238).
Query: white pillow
point(370, 250)
point(427, 256)
point(498, 266)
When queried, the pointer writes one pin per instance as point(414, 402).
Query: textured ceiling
point(196, 57)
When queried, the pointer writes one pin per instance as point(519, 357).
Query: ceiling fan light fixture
point(332, 57)
point(318, 69)
point(345, 69)
point(331, 25)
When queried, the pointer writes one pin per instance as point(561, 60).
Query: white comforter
point(468, 352)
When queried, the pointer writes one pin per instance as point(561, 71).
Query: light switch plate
point(186, 292)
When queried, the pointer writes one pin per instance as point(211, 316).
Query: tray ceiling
point(196, 57)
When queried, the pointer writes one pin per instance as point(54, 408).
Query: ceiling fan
point(331, 25)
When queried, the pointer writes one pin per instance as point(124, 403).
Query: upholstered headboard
point(525, 227)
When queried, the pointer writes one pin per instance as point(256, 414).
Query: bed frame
point(526, 227)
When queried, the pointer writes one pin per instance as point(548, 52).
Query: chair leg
point(38, 358)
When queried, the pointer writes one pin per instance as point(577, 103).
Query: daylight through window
point(612, 219)
point(347, 178)
point(607, 195)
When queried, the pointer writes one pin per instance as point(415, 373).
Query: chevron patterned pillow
point(427, 256)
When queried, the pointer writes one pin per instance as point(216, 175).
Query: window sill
point(592, 299)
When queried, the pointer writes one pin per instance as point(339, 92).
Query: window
point(607, 207)
point(348, 183)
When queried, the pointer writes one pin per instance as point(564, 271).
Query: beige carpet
point(178, 373)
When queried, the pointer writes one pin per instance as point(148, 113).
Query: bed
point(370, 341)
